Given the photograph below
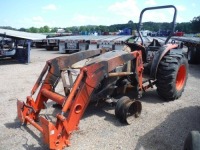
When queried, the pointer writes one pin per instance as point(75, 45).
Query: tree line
point(186, 27)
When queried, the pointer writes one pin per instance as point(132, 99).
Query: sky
point(67, 13)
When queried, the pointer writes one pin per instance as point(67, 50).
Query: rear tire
point(192, 55)
point(172, 76)
point(192, 141)
point(48, 48)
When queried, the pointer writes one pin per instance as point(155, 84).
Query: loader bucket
point(50, 135)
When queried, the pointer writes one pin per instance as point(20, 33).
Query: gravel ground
point(162, 125)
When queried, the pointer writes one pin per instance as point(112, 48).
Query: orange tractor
point(116, 75)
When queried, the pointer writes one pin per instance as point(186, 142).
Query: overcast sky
point(66, 13)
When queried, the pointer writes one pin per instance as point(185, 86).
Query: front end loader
point(102, 76)
point(116, 75)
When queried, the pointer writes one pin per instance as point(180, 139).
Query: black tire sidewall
point(166, 88)
point(192, 141)
point(182, 61)
point(193, 56)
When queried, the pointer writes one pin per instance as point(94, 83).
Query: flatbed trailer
point(40, 43)
point(78, 43)
point(15, 49)
point(69, 43)
point(193, 45)
point(114, 42)
point(91, 42)
point(52, 43)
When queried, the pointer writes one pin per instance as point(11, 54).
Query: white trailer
point(51, 43)
point(67, 43)
point(193, 45)
point(13, 50)
point(78, 43)
point(40, 43)
point(91, 42)
point(114, 42)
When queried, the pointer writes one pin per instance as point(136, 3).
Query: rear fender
point(160, 54)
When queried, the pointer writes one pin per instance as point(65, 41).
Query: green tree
point(22, 29)
point(82, 28)
point(103, 28)
point(46, 29)
point(196, 24)
point(67, 30)
point(54, 29)
point(112, 29)
point(184, 27)
point(130, 22)
point(41, 30)
point(7, 27)
point(97, 28)
point(33, 30)
point(74, 29)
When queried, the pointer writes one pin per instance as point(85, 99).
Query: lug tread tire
point(192, 141)
point(193, 55)
point(166, 76)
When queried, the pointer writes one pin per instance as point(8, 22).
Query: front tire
point(172, 76)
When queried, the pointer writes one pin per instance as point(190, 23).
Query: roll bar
point(158, 7)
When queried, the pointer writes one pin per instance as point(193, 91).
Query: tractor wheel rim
point(181, 77)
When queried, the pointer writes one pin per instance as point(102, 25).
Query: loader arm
point(57, 135)
point(53, 68)
point(56, 65)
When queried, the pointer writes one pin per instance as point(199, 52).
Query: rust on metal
point(74, 103)
point(120, 74)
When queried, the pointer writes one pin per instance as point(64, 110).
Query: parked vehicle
point(17, 44)
point(115, 75)
point(193, 45)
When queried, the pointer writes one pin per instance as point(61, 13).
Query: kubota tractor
point(116, 75)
